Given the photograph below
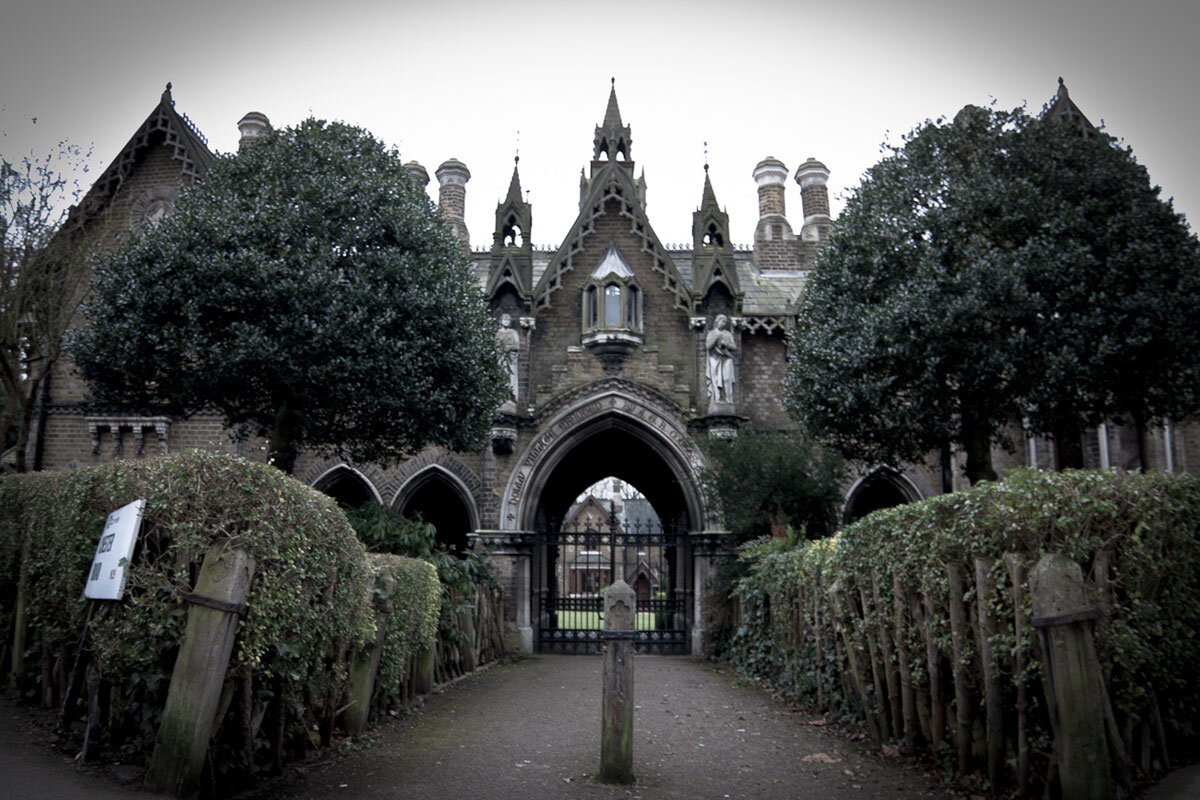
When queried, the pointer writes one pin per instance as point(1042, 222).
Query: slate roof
point(769, 293)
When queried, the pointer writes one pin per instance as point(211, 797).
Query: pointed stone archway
point(615, 429)
point(883, 487)
point(443, 500)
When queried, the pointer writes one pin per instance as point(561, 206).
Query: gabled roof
point(1062, 107)
point(610, 182)
point(190, 147)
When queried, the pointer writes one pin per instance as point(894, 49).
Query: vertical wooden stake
point(890, 673)
point(907, 698)
point(991, 684)
point(188, 718)
point(1016, 574)
point(857, 669)
point(366, 663)
point(616, 731)
point(962, 702)
point(937, 711)
point(1063, 619)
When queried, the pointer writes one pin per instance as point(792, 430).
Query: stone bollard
point(616, 734)
point(1063, 619)
point(190, 714)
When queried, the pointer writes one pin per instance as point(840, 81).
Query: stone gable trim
point(609, 185)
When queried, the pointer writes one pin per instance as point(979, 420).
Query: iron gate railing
point(573, 567)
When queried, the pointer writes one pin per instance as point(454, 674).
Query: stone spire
point(612, 138)
point(514, 185)
point(512, 248)
point(1063, 108)
point(712, 250)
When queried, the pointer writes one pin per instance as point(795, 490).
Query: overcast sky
point(460, 78)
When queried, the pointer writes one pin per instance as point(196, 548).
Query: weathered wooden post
point(1063, 620)
point(366, 663)
point(188, 718)
point(616, 734)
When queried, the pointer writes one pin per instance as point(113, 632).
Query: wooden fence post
point(188, 718)
point(1063, 619)
point(984, 589)
point(616, 730)
point(366, 663)
point(426, 661)
point(962, 700)
point(857, 668)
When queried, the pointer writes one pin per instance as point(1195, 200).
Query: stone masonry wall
point(763, 367)
point(664, 361)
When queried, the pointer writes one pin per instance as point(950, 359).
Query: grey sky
point(460, 78)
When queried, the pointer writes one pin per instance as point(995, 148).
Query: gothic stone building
point(623, 353)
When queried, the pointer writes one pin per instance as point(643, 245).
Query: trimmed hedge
point(309, 606)
point(1136, 537)
point(412, 624)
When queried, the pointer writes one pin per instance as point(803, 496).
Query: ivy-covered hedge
point(309, 608)
point(846, 624)
point(415, 600)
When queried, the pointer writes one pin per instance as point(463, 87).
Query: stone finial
point(771, 174)
point(252, 126)
point(418, 174)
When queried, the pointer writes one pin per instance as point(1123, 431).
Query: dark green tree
point(311, 292)
point(761, 479)
point(992, 269)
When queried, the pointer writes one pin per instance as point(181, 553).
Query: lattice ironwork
point(573, 566)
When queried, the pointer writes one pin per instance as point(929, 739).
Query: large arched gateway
point(620, 429)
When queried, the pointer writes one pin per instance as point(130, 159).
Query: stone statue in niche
point(508, 343)
point(720, 347)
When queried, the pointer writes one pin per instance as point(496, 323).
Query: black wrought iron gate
point(572, 568)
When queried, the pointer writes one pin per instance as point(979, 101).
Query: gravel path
point(530, 729)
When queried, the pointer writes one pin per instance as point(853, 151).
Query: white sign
point(106, 578)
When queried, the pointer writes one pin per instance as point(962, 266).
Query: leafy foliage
point(760, 479)
point(416, 603)
point(310, 291)
point(383, 530)
point(992, 268)
point(308, 605)
point(1147, 526)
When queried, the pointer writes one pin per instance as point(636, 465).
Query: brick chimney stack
point(251, 126)
point(452, 178)
point(771, 175)
point(418, 174)
point(813, 176)
point(775, 246)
